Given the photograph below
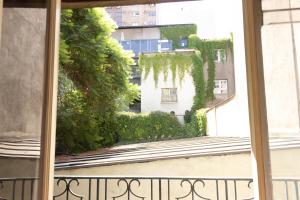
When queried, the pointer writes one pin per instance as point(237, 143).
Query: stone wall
point(22, 70)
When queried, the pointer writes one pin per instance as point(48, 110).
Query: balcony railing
point(144, 188)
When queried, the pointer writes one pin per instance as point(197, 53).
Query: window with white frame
point(221, 87)
point(168, 94)
point(220, 55)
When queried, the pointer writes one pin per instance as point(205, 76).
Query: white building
point(166, 96)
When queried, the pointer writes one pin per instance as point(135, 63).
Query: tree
point(94, 80)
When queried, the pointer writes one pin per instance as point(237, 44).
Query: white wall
point(232, 118)
point(151, 95)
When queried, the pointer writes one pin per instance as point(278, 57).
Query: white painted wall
point(232, 118)
point(151, 95)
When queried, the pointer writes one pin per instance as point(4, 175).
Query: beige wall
point(21, 70)
point(281, 55)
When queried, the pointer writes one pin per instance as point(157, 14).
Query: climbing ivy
point(177, 32)
point(178, 63)
point(199, 82)
point(207, 49)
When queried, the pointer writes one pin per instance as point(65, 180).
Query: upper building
point(135, 15)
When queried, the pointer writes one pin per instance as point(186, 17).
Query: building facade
point(135, 15)
point(169, 95)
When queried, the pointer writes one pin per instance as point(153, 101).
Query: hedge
point(148, 127)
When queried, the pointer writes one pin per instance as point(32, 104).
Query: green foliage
point(177, 32)
point(177, 63)
point(207, 49)
point(93, 81)
point(96, 63)
point(201, 121)
point(199, 82)
point(148, 127)
point(187, 116)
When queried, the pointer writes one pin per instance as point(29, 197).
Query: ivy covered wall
point(177, 32)
point(175, 62)
point(202, 52)
point(208, 50)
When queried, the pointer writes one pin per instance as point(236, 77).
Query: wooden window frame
point(255, 81)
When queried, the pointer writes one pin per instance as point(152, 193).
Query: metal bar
point(97, 194)
point(151, 189)
point(23, 188)
point(235, 190)
point(90, 188)
point(159, 190)
point(105, 189)
point(286, 190)
point(226, 189)
point(31, 189)
point(68, 189)
point(168, 189)
point(296, 189)
point(217, 188)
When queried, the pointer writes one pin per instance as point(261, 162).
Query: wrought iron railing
point(145, 188)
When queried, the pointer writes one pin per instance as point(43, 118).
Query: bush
point(187, 116)
point(148, 127)
point(201, 121)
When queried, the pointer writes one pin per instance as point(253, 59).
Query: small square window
point(221, 87)
point(220, 55)
point(168, 95)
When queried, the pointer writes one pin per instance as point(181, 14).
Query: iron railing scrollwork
point(145, 188)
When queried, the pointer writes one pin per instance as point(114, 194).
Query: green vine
point(177, 32)
point(207, 49)
point(199, 82)
point(178, 63)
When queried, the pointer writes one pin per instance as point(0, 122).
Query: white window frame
point(171, 97)
point(218, 55)
point(221, 90)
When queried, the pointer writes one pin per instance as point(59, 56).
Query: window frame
point(170, 95)
point(220, 80)
point(252, 12)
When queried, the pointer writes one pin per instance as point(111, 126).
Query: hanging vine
point(207, 49)
point(178, 63)
point(199, 82)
